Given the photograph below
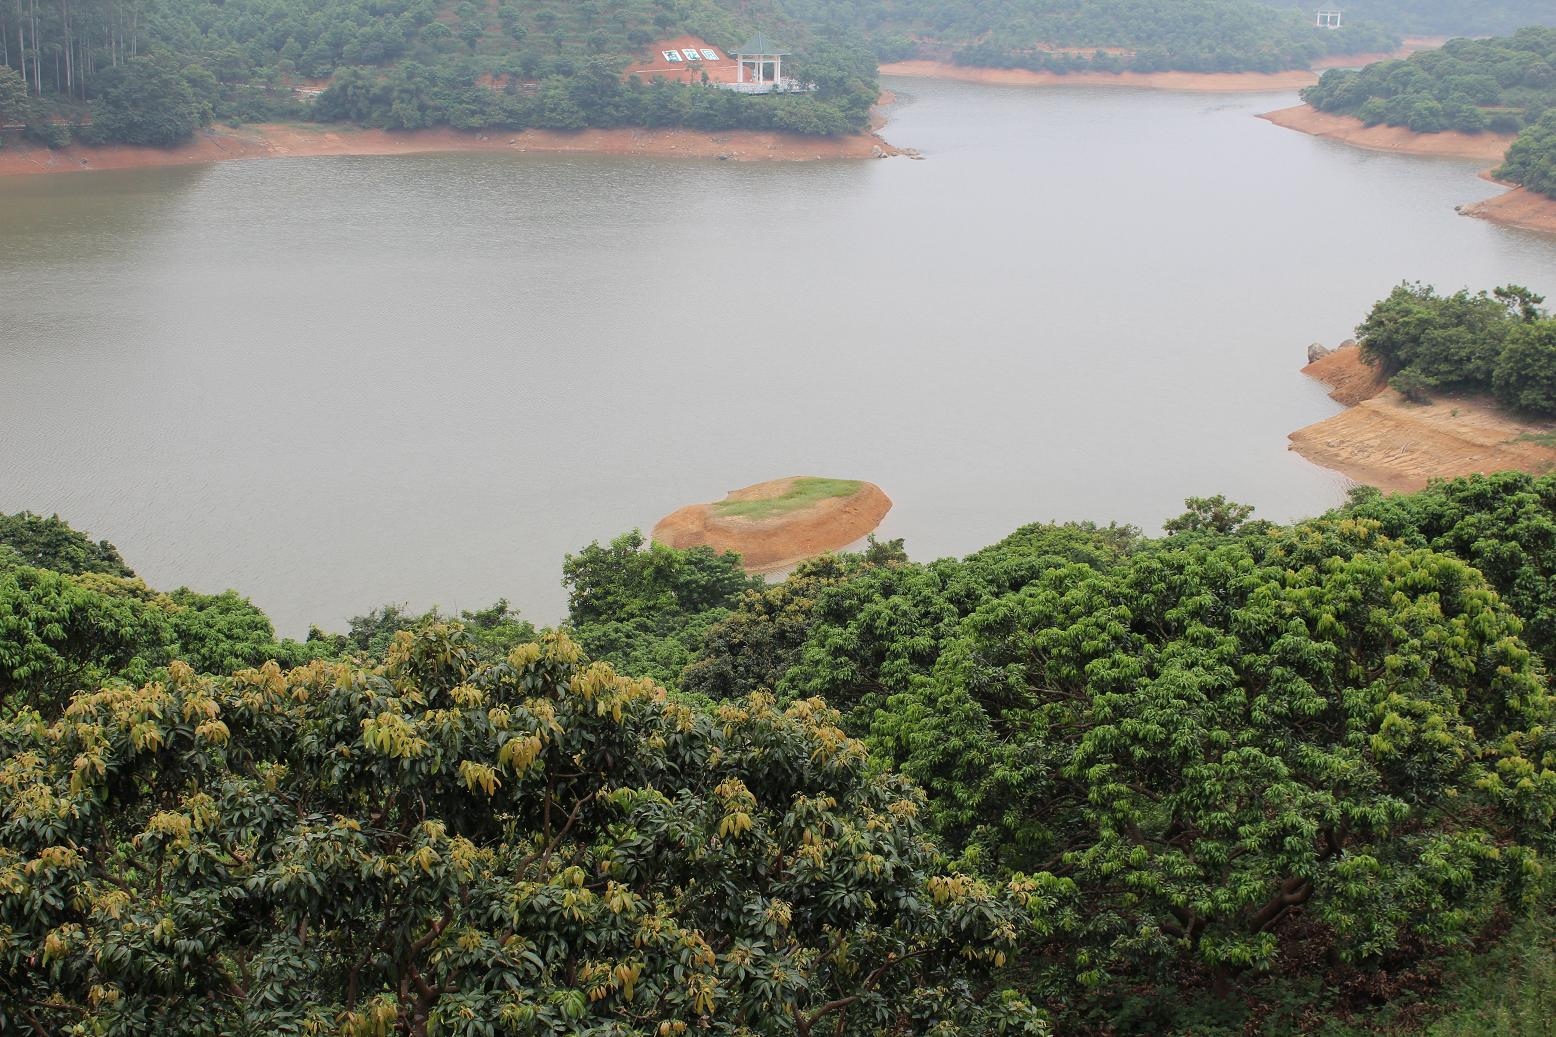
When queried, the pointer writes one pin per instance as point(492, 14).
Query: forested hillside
point(153, 71)
point(1141, 35)
point(1242, 777)
point(1446, 17)
point(1506, 84)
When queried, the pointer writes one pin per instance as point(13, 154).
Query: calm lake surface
point(334, 383)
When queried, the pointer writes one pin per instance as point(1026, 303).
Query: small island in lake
point(776, 524)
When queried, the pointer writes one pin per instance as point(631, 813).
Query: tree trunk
point(70, 71)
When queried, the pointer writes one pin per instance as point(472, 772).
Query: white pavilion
point(760, 67)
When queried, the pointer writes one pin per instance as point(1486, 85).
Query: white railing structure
point(1328, 20)
point(782, 86)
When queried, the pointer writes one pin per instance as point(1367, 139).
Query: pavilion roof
point(761, 43)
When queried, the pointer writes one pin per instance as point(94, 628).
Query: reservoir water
point(335, 383)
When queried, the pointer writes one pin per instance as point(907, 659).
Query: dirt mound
point(777, 541)
point(1350, 379)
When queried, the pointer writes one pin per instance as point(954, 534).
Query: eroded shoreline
point(288, 140)
point(1517, 207)
point(1482, 147)
point(1384, 440)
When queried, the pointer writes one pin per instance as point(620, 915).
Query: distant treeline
point(1444, 17)
point(1506, 84)
point(153, 71)
point(1110, 35)
point(592, 93)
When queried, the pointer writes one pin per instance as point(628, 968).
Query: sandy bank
point(777, 542)
point(1398, 446)
point(274, 140)
point(1196, 82)
point(1519, 207)
point(1483, 147)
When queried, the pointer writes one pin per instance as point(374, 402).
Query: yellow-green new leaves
point(534, 842)
point(392, 735)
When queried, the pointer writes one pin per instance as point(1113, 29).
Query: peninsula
point(1384, 440)
point(1481, 99)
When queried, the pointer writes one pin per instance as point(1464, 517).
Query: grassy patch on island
point(802, 494)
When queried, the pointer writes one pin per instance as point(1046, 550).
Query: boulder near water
point(773, 525)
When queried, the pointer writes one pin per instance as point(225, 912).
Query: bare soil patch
point(1398, 446)
point(275, 140)
point(1519, 207)
point(774, 542)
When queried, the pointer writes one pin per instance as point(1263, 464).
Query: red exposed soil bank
point(282, 140)
point(1519, 207)
point(777, 542)
point(1483, 147)
point(1398, 446)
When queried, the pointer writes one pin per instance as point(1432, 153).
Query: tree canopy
point(1500, 342)
point(1084, 779)
point(1531, 158)
point(441, 844)
point(50, 543)
point(1506, 84)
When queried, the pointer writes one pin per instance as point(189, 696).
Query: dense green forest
point(1499, 342)
point(154, 71)
point(1140, 35)
point(1238, 778)
point(1507, 84)
point(1531, 158)
point(1502, 84)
